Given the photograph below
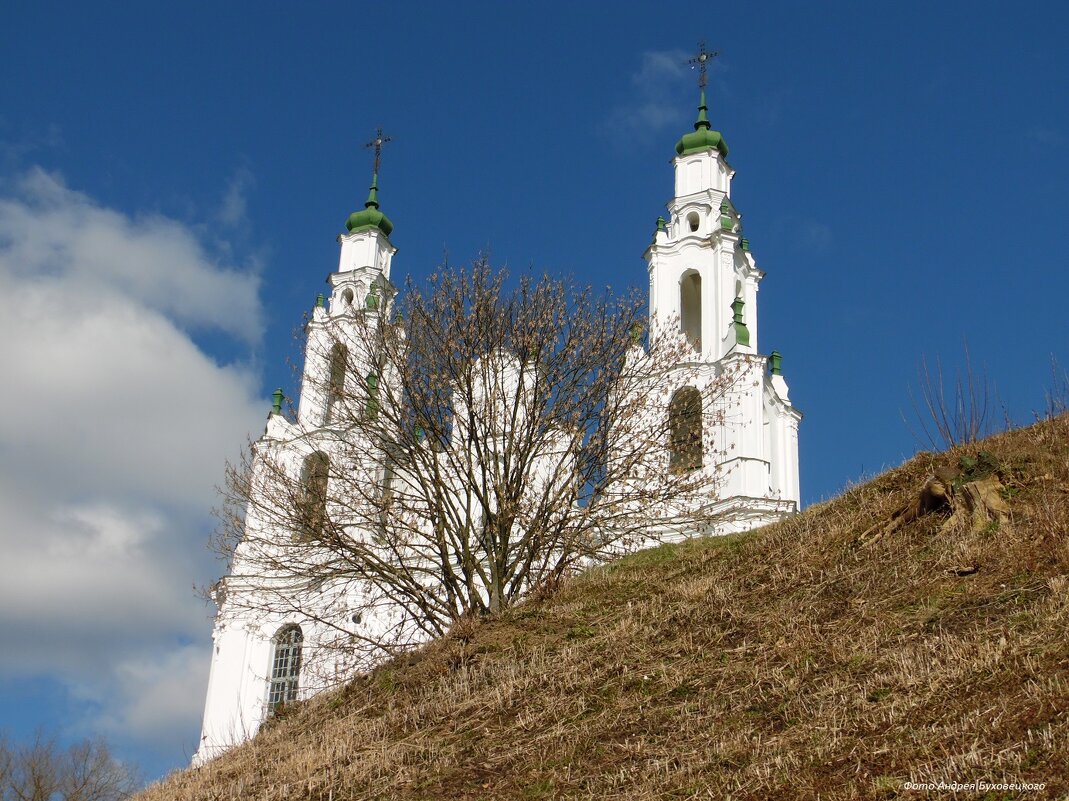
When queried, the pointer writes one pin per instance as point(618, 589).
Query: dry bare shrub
point(956, 415)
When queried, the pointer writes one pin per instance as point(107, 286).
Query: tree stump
point(975, 501)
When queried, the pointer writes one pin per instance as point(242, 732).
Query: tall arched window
point(372, 408)
point(339, 358)
point(690, 307)
point(285, 666)
point(685, 429)
point(315, 473)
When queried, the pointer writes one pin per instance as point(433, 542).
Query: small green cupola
point(703, 136)
point(370, 216)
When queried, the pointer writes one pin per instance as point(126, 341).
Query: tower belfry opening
point(690, 308)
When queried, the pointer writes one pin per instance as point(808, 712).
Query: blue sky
point(172, 179)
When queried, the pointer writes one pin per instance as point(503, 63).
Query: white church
point(703, 284)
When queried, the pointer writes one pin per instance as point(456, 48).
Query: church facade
point(703, 285)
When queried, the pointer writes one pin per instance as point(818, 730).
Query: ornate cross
point(700, 60)
point(377, 143)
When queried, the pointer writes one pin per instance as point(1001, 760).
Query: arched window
point(690, 307)
point(285, 666)
point(312, 510)
point(692, 222)
point(685, 429)
point(372, 409)
point(339, 358)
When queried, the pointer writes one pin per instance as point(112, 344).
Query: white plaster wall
point(369, 250)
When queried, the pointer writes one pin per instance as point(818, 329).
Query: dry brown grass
point(784, 664)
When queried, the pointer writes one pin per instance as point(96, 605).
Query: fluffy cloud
point(652, 107)
point(154, 696)
point(115, 430)
point(80, 253)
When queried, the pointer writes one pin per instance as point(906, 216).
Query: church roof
point(703, 136)
point(370, 216)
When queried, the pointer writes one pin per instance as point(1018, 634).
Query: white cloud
point(81, 252)
point(92, 583)
point(115, 430)
point(20, 140)
point(157, 697)
point(109, 395)
point(234, 209)
point(653, 105)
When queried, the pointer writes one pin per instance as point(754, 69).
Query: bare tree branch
point(959, 416)
point(42, 771)
point(494, 441)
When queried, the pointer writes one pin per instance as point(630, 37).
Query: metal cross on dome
point(377, 143)
point(700, 61)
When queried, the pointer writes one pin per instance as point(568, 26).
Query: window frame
point(286, 660)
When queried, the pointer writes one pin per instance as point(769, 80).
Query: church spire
point(371, 217)
point(372, 201)
point(703, 114)
point(703, 136)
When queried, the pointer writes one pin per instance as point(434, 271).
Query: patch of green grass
point(541, 789)
point(858, 661)
point(580, 631)
point(650, 557)
point(674, 552)
point(684, 690)
point(887, 786)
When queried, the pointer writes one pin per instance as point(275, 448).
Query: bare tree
point(462, 446)
point(955, 415)
point(43, 771)
point(6, 766)
point(1057, 396)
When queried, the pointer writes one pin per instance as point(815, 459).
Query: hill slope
point(793, 662)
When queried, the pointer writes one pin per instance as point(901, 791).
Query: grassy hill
point(815, 658)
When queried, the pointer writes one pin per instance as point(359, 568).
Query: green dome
point(370, 216)
point(703, 136)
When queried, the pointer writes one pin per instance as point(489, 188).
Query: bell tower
point(360, 286)
point(703, 289)
point(702, 276)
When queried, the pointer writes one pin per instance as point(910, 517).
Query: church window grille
point(285, 666)
point(685, 430)
point(312, 511)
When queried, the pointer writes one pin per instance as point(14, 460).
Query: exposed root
point(935, 494)
point(976, 502)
